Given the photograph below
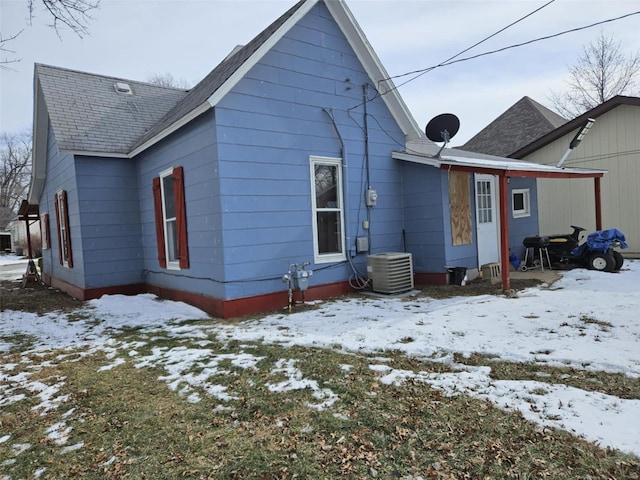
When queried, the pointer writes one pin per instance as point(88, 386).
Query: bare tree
point(72, 14)
point(15, 173)
point(601, 72)
point(167, 80)
point(4, 41)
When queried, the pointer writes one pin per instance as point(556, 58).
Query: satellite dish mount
point(442, 128)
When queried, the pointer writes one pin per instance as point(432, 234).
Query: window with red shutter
point(44, 231)
point(62, 222)
point(171, 219)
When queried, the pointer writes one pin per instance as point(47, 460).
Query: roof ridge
point(523, 121)
point(546, 113)
point(39, 66)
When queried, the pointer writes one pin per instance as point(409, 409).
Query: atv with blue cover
point(599, 251)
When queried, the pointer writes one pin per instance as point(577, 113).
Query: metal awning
point(477, 163)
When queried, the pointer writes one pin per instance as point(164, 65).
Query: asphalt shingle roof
point(521, 124)
point(89, 115)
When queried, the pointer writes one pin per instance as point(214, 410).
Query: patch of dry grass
point(616, 384)
point(127, 423)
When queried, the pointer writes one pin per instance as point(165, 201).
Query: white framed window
point(327, 207)
point(170, 214)
point(484, 201)
point(520, 202)
point(169, 219)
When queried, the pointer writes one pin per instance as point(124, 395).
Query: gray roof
point(521, 124)
point(89, 115)
point(574, 124)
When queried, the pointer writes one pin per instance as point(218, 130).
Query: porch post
point(26, 222)
point(598, 196)
point(504, 232)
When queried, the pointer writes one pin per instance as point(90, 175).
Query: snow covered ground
point(586, 320)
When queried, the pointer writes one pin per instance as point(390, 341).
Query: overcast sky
point(134, 39)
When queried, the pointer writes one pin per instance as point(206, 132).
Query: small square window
point(521, 203)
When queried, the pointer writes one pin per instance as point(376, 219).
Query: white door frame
point(487, 218)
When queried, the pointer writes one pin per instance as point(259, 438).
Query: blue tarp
point(601, 241)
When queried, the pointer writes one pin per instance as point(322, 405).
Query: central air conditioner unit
point(390, 272)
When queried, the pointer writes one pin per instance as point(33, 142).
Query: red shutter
point(68, 229)
point(45, 233)
point(181, 217)
point(157, 203)
point(57, 202)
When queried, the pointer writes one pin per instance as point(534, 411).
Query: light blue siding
point(61, 175)
point(110, 219)
point(267, 128)
point(194, 148)
point(424, 190)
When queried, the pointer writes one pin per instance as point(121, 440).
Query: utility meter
point(372, 197)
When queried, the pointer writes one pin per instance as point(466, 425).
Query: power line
point(445, 62)
point(605, 156)
point(419, 73)
point(423, 71)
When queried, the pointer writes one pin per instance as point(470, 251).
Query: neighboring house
point(525, 121)
point(5, 241)
point(296, 148)
point(17, 230)
point(612, 143)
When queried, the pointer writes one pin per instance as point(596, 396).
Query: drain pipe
point(365, 100)
point(345, 191)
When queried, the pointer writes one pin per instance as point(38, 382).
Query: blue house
point(296, 154)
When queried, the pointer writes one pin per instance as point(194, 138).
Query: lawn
point(541, 384)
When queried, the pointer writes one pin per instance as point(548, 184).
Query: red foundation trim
point(91, 293)
point(239, 307)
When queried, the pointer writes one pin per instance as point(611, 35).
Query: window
point(44, 231)
point(327, 207)
point(520, 202)
point(171, 219)
point(62, 222)
point(484, 201)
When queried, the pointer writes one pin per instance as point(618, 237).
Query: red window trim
point(157, 202)
point(181, 217)
point(57, 207)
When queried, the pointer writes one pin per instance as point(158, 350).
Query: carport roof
point(426, 153)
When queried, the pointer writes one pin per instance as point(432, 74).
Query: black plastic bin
point(456, 275)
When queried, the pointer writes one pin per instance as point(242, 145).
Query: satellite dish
point(442, 128)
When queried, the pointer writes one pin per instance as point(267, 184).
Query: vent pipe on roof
point(123, 88)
